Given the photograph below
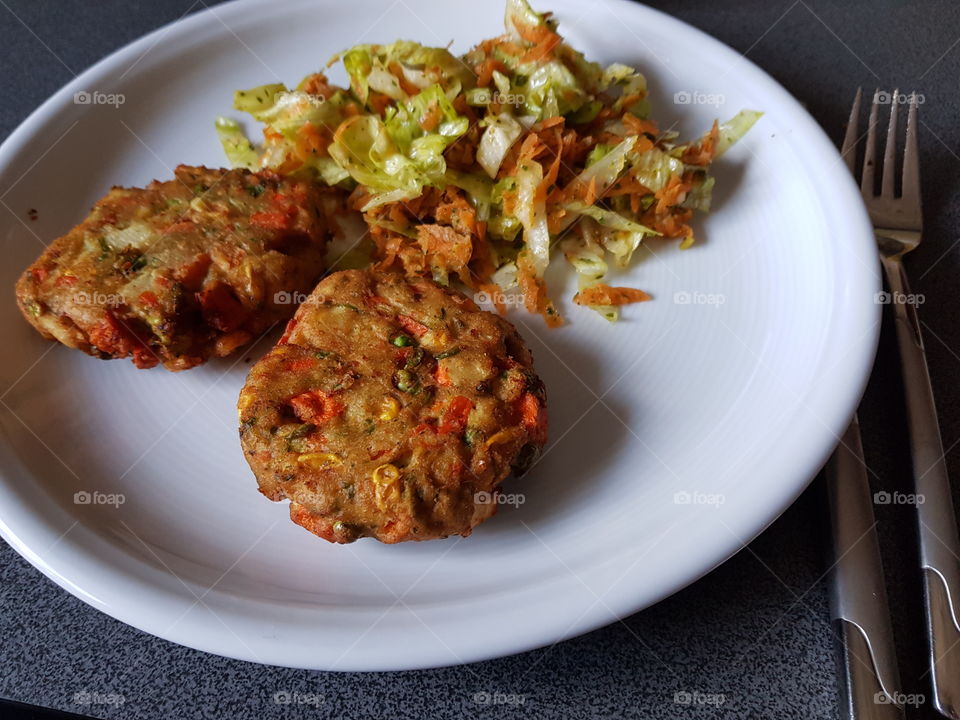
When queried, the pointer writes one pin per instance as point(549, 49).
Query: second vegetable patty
point(182, 270)
point(392, 408)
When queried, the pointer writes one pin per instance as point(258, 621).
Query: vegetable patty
point(392, 408)
point(183, 270)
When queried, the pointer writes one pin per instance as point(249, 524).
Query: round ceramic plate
point(677, 434)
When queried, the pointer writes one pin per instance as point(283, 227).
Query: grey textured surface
point(755, 631)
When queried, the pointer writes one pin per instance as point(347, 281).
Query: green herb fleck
point(302, 430)
point(472, 436)
point(105, 249)
point(129, 261)
point(416, 357)
point(295, 438)
point(406, 381)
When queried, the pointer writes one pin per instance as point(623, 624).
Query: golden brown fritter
point(392, 408)
point(182, 270)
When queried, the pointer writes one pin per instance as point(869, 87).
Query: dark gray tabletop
point(753, 638)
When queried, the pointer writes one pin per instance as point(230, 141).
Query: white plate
point(677, 435)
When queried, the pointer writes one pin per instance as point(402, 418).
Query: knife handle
point(868, 661)
point(862, 697)
point(936, 517)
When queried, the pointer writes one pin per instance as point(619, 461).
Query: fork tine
point(911, 159)
point(870, 153)
point(849, 149)
point(888, 181)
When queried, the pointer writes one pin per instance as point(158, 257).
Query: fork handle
point(937, 523)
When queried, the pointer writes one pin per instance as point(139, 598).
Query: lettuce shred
point(474, 167)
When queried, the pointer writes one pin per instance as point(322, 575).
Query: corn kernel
point(386, 485)
point(389, 408)
point(245, 401)
point(499, 438)
point(319, 460)
point(438, 338)
point(386, 474)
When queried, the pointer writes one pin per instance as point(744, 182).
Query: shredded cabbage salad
point(481, 168)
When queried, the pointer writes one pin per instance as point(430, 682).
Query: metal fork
point(898, 224)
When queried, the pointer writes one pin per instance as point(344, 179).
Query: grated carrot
point(605, 295)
